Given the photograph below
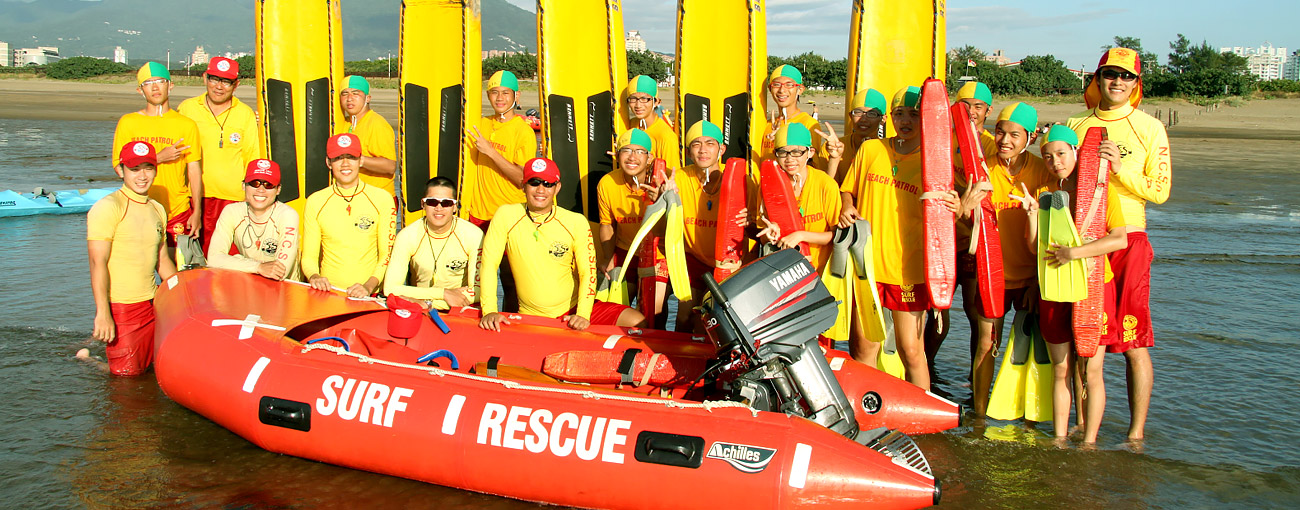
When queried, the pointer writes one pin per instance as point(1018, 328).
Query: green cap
point(787, 71)
point(356, 82)
point(643, 84)
point(704, 128)
point(975, 90)
point(1060, 133)
point(906, 96)
point(793, 134)
point(869, 99)
point(505, 79)
point(637, 137)
point(150, 71)
point(1020, 113)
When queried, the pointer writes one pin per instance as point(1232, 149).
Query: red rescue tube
point(226, 349)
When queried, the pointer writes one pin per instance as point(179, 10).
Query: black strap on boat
point(625, 366)
point(492, 366)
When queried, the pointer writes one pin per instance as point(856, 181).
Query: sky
point(1071, 31)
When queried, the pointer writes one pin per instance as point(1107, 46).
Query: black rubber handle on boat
point(668, 445)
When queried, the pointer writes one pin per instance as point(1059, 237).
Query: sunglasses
point(785, 153)
point(220, 80)
point(1111, 74)
point(537, 181)
point(439, 202)
point(258, 183)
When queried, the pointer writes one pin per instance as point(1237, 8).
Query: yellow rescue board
point(894, 44)
point(721, 68)
point(440, 95)
point(581, 72)
point(299, 46)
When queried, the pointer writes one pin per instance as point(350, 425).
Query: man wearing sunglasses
point(436, 262)
point(867, 111)
point(228, 130)
point(642, 99)
point(553, 257)
point(179, 185)
point(260, 234)
point(785, 85)
point(1138, 148)
point(348, 228)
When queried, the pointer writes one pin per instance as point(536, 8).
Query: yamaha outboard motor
point(765, 319)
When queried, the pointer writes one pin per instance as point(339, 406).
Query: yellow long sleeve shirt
point(553, 258)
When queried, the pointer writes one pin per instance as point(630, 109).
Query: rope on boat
point(707, 405)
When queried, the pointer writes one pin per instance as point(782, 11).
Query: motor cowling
point(765, 320)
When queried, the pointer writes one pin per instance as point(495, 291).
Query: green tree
point(1204, 71)
point(647, 63)
point(1150, 62)
point(816, 70)
point(74, 68)
point(524, 65)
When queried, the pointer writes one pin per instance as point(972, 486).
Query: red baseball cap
point(404, 317)
point(134, 154)
point(340, 144)
point(543, 169)
point(263, 169)
point(223, 67)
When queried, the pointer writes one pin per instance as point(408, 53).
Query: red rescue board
point(650, 253)
point(603, 367)
point(729, 251)
point(780, 203)
point(988, 244)
point(936, 161)
point(1090, 218)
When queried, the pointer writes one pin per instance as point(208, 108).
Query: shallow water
point(1222, 429)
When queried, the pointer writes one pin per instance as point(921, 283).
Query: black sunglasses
point(537, 181)
point(443, 202)
point(258, 183)
point(1111, 74)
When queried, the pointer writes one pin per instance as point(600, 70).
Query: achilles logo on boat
point(563, 434)
point(373, 403)
point(749, 459)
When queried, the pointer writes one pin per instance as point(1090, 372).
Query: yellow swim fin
point(871, 313)
point(1007, 401)
point(613, 289)
point(888, 361)
point(675, 247)
point(1038, 374)
point(1067, 283)
point(836, 277)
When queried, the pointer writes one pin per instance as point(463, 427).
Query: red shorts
point(131, 351)
point(904, 298)
point(212, 208)
point(176, 225)
point(604, 313)
point(1056, 321)
point(1132, 317)
point(481, 224)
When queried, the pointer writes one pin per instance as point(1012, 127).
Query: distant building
point(236, 54)
point(38, 56)
point(199, 57)
point(997, 57)
point(634, 42)
point(6, 59)
point(119, 55)
point(500, 53)
point(1265, 62)
point(1291, 71)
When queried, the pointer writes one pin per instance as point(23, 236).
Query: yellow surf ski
point(894, 44)
point(721, 67)
point(581, 71)
point(440, 95)
point(299, 47)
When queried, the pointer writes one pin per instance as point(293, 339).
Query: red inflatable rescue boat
point(755, 418)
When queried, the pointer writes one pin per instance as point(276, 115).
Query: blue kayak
point(50, 202)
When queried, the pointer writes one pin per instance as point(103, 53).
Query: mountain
point(147, 29)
